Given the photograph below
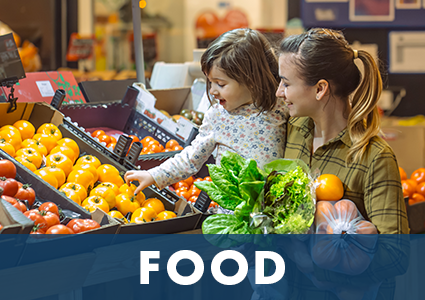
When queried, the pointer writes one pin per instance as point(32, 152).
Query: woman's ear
point(322, 88)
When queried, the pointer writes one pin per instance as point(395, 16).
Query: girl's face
point(228, 91)
point(299, 97)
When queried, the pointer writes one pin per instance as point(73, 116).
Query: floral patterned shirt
point(252, 135)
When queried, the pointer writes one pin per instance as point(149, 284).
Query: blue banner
point(194, 266)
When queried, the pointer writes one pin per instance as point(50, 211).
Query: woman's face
point(298, 96)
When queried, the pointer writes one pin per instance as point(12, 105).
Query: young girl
point(242, 72)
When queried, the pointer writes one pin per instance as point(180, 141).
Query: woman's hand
point(143, 177)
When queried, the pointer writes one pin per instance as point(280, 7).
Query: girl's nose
point(280, 91)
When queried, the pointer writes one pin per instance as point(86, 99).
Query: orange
point(78, 188)
point(409, 187)
point(26, 129)
point(180, 184)
point(403, 175)
point(329, 187)
point(177, 148)
point(48, 177)
point(8, 148)
point(32, 155)
point(113, 139)
point(154, 203)
point(50, 129)
point(171, 143)
point(146, 140)
point(165, 215)
point(135, 138)
point(48, 141)
point(416, 198)
point(89, 159)
point(36, 145)
point(71, 144)
point(111, 145)
point(418, 175)
point(189, 181)
point(420, 189)
point(58, 173)
point(61, 161)
point(26, 163)
point(64, 150)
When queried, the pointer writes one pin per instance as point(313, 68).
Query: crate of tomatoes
point(102, 125)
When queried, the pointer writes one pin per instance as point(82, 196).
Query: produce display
point(414, 186)
point(187, 189)
point(83, 179)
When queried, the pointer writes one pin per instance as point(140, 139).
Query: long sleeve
point(190, 160)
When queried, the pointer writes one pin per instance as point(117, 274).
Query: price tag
point(184, 128)
point(79, 47)
point(45, 88)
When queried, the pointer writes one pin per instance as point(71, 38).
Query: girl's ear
point(322, 88)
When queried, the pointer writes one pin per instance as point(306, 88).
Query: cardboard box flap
point(13, 220)
point(172, 100)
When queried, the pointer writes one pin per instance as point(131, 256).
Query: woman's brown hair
point(325, 54)
point(245, 55)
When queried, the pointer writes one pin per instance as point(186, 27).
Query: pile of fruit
point(194, 116)
point(413, 187)
point(187, 189)
point(83, 179)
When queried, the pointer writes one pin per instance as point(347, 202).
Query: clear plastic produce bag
point(349, 244)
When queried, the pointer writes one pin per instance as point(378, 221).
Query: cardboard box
point(14, 222)
point(187, 216)
point(407, 142)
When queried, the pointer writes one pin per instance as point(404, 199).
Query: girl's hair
point(325, 54)
point(245, 55)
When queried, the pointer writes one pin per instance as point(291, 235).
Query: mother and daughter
point(333, 121)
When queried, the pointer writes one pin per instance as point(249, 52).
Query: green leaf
point(217, 195)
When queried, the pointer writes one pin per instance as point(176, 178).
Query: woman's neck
point(331, 120)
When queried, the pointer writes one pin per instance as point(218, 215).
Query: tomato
point(181, 184)
point(146, 140)
point(213, 204)
point(177, 148)
point(89, 159)
point(12, 136)
point(26, 163)
point(126, 203)
point(93, 202)
point(13, 201)
point(37, 230)
point(111, 145)
point(113, 140)
point(78, 188)
point(165, 215)
point(171, 144)
point(26, 129)
point(61, 161)
point(34, 215)
point(59, 229)
point(418, 175)
point(51, 207)
point(32, 155)
point(8, 148)
point(87, 167)
point(106, 193)
point(135, 138)
point(111, 185)
point(106, 169)
point(46, 140)
point(96, 133)
point(9, 185)
point(65, 150)
point(7, 169)
point(22, 207)
point(409, 187)
point(1, 227)
point(47, 177)
point(51, 218)
point(85, 178)
point(117, 215)
point(193, 191)
point(104, 138)
point(192, 199)
point(50, 129)
point(36, 145)
point(71, 144)
point(208, 178)
point(143, 215)
point(26, 192)
point(182, 192)
point(155, 204)
point(82, 225)
point(57, 172)
point(72, 194)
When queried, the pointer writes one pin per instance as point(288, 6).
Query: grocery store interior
point(93, 89)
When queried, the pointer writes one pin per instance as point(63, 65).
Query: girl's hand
point(143, 177)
